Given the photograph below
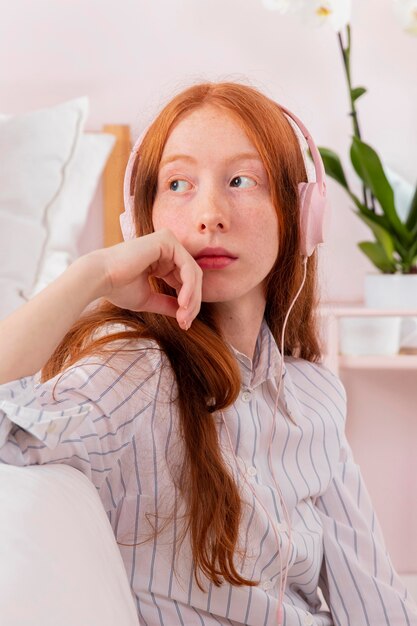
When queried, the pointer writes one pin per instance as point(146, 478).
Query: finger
point(185, 313)
point(185, 276)
point(162, 304)
point(189, 296)
point(187, 282)
point(167, 305)
point(172, 281)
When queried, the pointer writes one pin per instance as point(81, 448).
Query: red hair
point(206, 371)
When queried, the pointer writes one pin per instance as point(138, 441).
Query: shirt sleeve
point(85, 417)
point(357, 578)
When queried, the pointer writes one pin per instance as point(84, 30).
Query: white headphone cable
point(283, 578)
point(284, 571)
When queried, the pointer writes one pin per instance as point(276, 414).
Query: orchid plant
point(394, 248)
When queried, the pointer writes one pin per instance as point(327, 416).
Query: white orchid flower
point(403, 191)
point(406, 12)
point(284, 6)
point(335, 12)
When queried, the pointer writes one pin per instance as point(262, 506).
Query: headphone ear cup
point(314, 216)
point(127, 226)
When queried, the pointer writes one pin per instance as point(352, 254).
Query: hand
point(129, 265)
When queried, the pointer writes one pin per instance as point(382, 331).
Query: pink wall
point(129, 57)
point(382, 430)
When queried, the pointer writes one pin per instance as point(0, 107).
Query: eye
point(243, 182)
point(178, 185)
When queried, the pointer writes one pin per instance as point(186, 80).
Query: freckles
point(167, 218)
point(162, 215)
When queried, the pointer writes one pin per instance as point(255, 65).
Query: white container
point(395, 291)
point(369, 335)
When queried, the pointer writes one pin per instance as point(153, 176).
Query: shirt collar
point(265, 365)
point(266, 361)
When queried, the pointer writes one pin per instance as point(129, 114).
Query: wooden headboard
point(113, 176)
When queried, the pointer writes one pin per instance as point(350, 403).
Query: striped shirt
point(113, 418)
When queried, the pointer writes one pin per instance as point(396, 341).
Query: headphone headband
point(314, 210)
point(317, 160)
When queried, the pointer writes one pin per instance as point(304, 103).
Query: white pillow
point(69, 211)
point(36, 149)
point(59, 561)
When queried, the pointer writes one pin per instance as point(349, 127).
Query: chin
point(248, 290)
point(217, 295)
point(224, 293)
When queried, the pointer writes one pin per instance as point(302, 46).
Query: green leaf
point(333, 166)
point(382, 236)
point(412, 215)
point(413, 250)
point(376, 254)
point(368, 166)
point(412, 255)
point(357, 92)
point(400, 247)
point(357, 201)
point(380, 225)
point(380, 220)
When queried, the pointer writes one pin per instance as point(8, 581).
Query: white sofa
point(59, 561)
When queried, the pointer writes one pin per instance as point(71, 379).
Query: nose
point(211, 214)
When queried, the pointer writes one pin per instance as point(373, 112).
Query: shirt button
point(267, 585)
point(252, 471)
point(308, 619)
point(281, 527)
point(246, 396)
point(51, 427)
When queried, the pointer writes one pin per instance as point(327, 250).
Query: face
point(213, 194)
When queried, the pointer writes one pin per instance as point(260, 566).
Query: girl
point(224, 471)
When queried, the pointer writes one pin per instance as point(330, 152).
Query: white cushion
point(36, 149)
point(59, 561)
point(69, 210)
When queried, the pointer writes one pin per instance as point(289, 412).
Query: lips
point(214, 258)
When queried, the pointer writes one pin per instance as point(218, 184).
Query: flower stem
point(345, 50)
point(346, 63)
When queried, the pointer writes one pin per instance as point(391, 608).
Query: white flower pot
point(395, 291)
point(369, 335)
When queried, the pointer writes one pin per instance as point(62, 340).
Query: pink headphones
point(314, 210)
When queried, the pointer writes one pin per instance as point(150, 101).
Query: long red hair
point(206, 372)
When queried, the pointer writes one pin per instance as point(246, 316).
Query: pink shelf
point(342, 310)
point(332, 312)
point(397, 361)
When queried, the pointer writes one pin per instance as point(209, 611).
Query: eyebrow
point(236, 157)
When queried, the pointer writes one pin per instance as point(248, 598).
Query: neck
point(240, 324)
